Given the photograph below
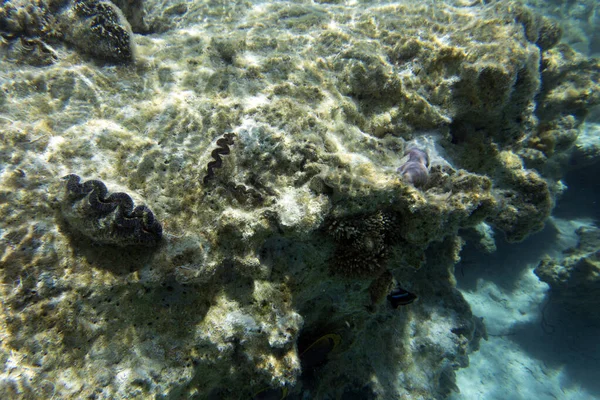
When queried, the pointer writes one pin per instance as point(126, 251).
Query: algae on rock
point(575, 280)
point(324, 100)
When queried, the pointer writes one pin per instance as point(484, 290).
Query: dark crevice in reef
point(582, 199)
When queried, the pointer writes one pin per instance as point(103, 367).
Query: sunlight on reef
point(255, 179)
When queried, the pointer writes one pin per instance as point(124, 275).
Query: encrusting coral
point(362, 243)
point(574, 280)
point(306, 226)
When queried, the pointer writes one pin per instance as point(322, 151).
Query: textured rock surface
point(587, 148)
point(580, 22)
point(323, 100)
point(575, 280)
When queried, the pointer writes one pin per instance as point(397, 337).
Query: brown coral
point(361, 243)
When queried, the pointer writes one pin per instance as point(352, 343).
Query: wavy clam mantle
point(324, 99)
point(107, 219)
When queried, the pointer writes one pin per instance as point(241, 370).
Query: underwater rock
point(539, 29)
point(110, 220)
point(135, 12)
point(526, 201)
point(549, 34)
point(24, 18)
point(575, 280)
point(320, 130)
point(586, 152)
point(25, 29)
point(570, 91)
point(380, 288)
point(32, 51)
point(571, 84)
point(482, 237)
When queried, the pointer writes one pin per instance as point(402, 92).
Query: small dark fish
point(401, 297)
point(316, 354)
point(271, 394)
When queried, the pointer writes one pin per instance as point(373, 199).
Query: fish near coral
point(107, 219)
point(317, 353)
point(416, 170)
point(400, 297)
point(271, 394)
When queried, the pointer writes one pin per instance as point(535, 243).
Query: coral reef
point(107, 219)
point(362, 242)
point(579, 22)
point(304, 227)
point(575, 280)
